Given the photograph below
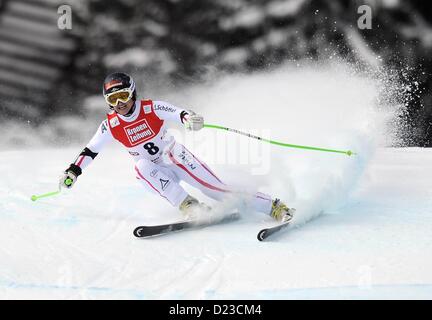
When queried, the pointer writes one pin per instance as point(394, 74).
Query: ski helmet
point(117, 87)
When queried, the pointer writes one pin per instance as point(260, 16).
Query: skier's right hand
point(67, 180)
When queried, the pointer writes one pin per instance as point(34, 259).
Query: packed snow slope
point(362, 227)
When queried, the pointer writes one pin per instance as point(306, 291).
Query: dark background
point(47, 72)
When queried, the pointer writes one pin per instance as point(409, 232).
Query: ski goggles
point(114, 98)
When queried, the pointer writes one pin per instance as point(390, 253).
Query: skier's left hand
point(193, 121)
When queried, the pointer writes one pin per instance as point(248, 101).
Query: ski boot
point(281, 212)
point(191, 208)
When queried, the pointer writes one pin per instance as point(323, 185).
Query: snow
point(284, 8)
point(80, 244)
point(248, 17)
point(136, 56)
point(234, 56)
point(362, 228)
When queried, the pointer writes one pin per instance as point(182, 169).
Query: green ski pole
point(348, 152)
point(68, 182)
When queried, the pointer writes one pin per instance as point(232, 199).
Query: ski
point(163, 229)
point(264, 233)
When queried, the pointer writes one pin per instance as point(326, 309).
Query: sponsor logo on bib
point(138, 132)
point(114, 122)
point(147, 109)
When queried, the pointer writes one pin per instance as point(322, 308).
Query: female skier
point(160, 162)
